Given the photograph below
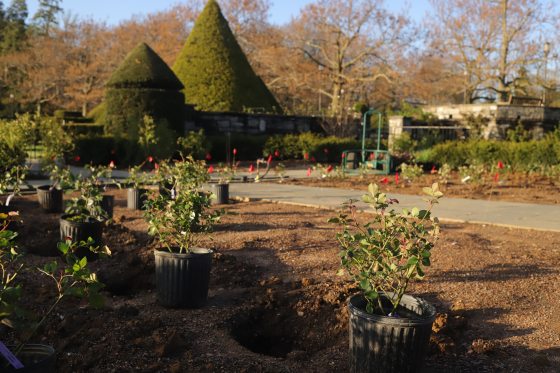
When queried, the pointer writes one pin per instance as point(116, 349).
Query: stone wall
point(500, 117)
point(213, 123)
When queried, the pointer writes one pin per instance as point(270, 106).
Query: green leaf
point(415, 211)
point(412, 261)
point(373, 189)
point(364, 285)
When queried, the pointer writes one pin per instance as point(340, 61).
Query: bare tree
point(491, 42)
point(354, 43)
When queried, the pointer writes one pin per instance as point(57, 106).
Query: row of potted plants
point(382, 255)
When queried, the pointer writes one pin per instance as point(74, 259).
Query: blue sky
point(114, 11)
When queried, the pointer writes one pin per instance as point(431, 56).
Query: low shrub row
point(519, 156)
point(311, 146)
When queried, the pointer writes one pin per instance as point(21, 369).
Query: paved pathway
point(509, 214)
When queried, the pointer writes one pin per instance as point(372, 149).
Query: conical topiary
point(142, 85)
point(144, 68)
point(216, 73)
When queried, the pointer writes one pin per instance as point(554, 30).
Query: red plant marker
point(397, 178)
point(156, 166)
point(496, 177)
point(306, 156)
point(208, 156)
point(234, 151)
point(313, 159)
point(308, 171)
point(269, 160)
point(385, 180)
point(276, 153)
point(210, 169)
point(150, 159)
point(371, 156)
point(251, 168)
point(77, 158)
point(343, 155)
point(112, 164)
point(500, 165)
point(330, 168)
point(434, 170)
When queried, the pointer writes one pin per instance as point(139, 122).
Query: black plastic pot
point(50, 199)
point(35, 359)
point(136, 198)
point(221, 191)
point(182, 279)
point(81, 231)
point(108, 204)
point(389, 344)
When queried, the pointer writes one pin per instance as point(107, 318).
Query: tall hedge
point(142, 85)
point(216, 73)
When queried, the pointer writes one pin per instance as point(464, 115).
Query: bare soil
point(511, 187)
point(276, 305)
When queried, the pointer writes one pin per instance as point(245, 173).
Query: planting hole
point(263, 332)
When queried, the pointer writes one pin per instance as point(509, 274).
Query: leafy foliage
point(178, 221)
point(216, 73)
point(384, 254)
point(194, 144)
point(10, 266)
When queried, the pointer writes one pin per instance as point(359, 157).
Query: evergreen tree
point(46, 16)
point(216, 73)
point(14, 33)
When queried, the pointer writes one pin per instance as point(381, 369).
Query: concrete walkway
point(508, 214)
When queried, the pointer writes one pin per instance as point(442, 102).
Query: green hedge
point(126, 108)
point(249, 147)
point(320, 148)
point(520, 156)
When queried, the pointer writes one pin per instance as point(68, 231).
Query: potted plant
point(50, 197)
point(85, 214)
point(136, 193)
point(182, 268)
point(221, 188)
point(72, 278)
point(383, 255)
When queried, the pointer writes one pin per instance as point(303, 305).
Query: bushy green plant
point(383, 255)
point(194, 144)
point(56, 141)
point(11, 157)
point(88, 204)
point(410, 172)
point(178, 221)
point(404, 144)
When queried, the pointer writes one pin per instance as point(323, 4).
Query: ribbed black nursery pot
point(35, 358)
point(221, 191)
point(182, 279)
point(385, 344)
point(50, 199)
point(136, 198)
point(108, 204)
point(81, 231)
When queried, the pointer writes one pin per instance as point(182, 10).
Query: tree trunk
point(502, 77)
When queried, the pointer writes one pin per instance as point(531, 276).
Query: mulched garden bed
point(512, 187)
point(277, 305)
